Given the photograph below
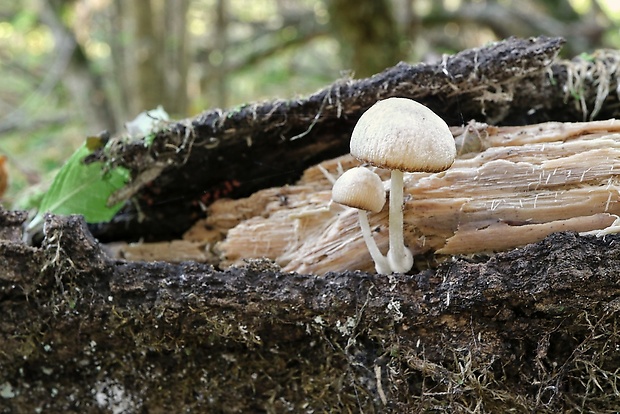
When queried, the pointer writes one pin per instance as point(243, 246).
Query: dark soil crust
point(531, 329)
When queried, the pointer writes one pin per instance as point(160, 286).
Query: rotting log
point(237, 151)
point(533, 329)
point(509, 186)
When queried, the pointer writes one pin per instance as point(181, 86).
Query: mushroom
point(362, 189)
point(402, 135)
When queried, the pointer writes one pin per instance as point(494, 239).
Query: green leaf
point(80, 188)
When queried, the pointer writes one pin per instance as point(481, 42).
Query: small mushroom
point(400, 134)
point(362, 189)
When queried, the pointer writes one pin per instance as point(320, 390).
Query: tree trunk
point(117, 21)
point(175, 57)
point(151, 61)
point(143, 56)
point(82, 81)
point(369, 37)
point(221, 50)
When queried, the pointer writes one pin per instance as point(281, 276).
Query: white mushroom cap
point(359, 188)
point(402, 134)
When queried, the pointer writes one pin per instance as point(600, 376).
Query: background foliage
point(69, 69)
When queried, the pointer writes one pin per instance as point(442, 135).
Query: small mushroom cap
point(359, 188)
point(402, 134)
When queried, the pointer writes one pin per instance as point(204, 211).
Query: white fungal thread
point(548, 178)
point(584, 174)
point(608, 202)
point(609, 182)
point(540, 177)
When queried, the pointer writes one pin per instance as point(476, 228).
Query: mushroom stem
point(381, 262)
point(399, 257)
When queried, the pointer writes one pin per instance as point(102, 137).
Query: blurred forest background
point(69, 69)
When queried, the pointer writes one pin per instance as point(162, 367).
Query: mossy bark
point(531, 329)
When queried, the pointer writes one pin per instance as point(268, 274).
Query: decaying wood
point(533, 329)
point(509, 186)
point(528, 330)
point(238, 151)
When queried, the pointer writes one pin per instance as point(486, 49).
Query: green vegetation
point(81, 188)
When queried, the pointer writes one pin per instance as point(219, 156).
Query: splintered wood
point(509, 186)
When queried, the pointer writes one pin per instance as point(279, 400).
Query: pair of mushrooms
point(400, 135)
